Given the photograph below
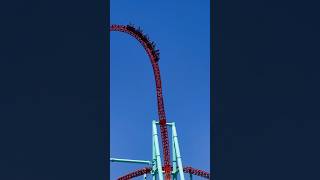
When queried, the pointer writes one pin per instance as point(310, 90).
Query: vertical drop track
point(153, 55)
point(154, 58)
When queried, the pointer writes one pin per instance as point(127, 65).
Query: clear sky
point(181, 31)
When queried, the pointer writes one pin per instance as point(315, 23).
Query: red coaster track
point(153, 54)
point(154, 57)
point(147, 170)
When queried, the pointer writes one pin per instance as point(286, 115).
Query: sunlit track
point(154, 58)
point(153, 55)
point(147, 170)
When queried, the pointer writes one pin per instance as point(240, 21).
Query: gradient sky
point(181, 31)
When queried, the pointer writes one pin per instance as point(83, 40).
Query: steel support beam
point(168, 124)
point(157, 150)
point(130, 161)
point(176, 145)
point(174, 161)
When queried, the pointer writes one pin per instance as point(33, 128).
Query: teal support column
point(190, 176)
point(176, 145)
point(130, 161)
point(174, 161)
point(157, 150)
point(154, 160)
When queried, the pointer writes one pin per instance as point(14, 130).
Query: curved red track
point(147, 170)
point(153, 54)
point(154, 57)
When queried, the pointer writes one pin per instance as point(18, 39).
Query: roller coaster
point(156, 167)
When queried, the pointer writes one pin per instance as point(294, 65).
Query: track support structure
point(157, 171)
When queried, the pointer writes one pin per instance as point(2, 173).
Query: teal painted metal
point(174, 163)
point(156, 162)
point(157, 150)
point(176, 145)
point(169, 124)
point(130, 161)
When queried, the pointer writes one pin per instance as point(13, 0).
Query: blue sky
point(181, 31)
